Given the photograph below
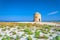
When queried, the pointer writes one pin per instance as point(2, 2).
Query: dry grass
point(14, 24)
point(11, 24)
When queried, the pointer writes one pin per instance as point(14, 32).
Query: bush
point(6, 38)
point(44, 37)
point(3, 38)
point(46, 27)
point(17, 38)
point(0, 35)
point(4, 29)
point(45, 32)
point(29, 32)
point(37, 34)
point(57, 29)
point(56, 38)
point(14, 33)
point(29, 38)
point(11, 38)
point(18, 27)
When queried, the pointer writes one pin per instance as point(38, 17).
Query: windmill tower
point(37, 17)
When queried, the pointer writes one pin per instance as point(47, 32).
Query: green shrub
point(3, 29)
point(11, 38)
point(6, 38)
point(46, 27)
point(54, 39)
point(29, 38)
point(17, 38)
point(37, 34)
point(23, 34)
point(18, 27)
point(57, 37)
point(14, 33)
point(45, 31)
point(3, 38)
point(44, 37)
point(50, 35)
point(0, 35)
point(28, 31)
point(8, 28)
point(57, 29)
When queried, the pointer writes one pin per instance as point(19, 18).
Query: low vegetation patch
point(28, 31)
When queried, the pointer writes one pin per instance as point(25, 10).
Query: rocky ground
point(29, 32)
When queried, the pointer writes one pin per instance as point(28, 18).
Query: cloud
point(54, 12)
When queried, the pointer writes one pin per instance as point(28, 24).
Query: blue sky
point(24, 10)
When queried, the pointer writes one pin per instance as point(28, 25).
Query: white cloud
point(54, 12)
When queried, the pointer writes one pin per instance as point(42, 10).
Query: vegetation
point(3, 38)
point(3, 29)
point(29, 38)
point(0, 35)
point(14, 33)
point(23, 34)
point(44, 31)
point(21, 24)
point(44, 37)
point(37, 34)
point(18, 27)
point(17, 38)
point(56, 38)
point(28, 31)
point(6, 38)
point(57, 29)
point(11, 38)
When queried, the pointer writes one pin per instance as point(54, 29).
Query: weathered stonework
point(37, 17)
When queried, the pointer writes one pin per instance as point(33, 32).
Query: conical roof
point(37, 14)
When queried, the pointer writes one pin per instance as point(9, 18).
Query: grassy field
point(28, 31)
point(16, 23)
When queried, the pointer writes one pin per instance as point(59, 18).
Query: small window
point(39, 19)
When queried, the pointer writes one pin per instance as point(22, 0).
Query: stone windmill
point(37, 17)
